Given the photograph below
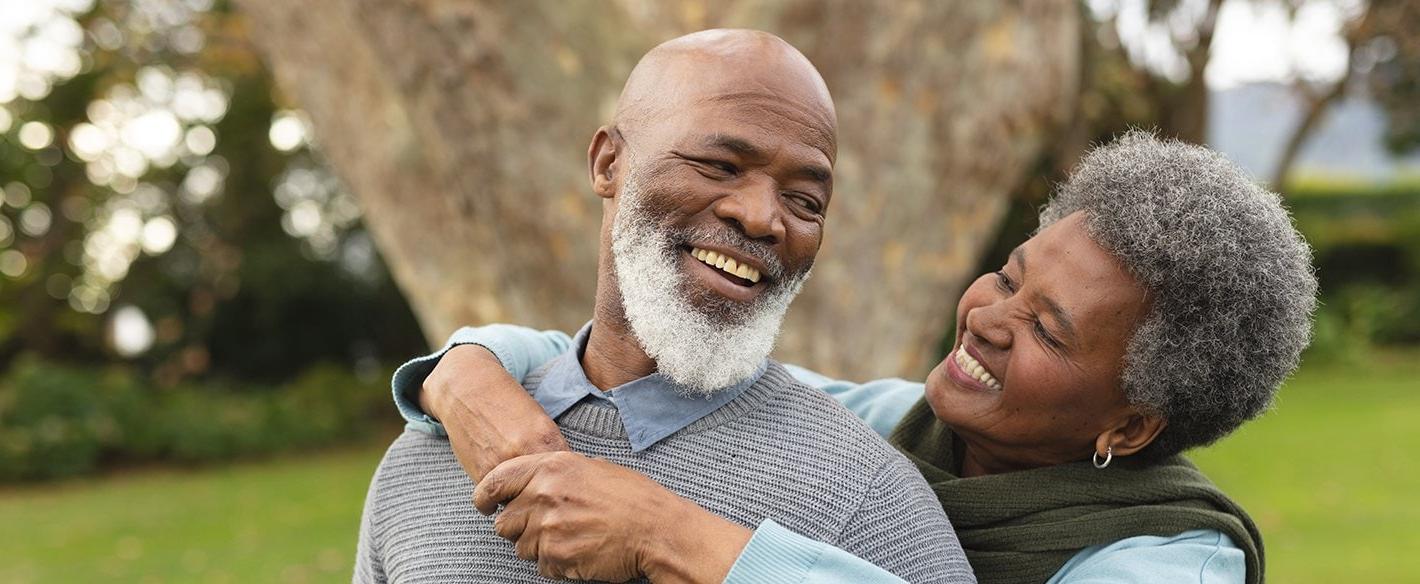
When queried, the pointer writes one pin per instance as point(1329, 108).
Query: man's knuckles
point(506, 527)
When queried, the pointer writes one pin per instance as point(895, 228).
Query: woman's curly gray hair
point(1229, 281)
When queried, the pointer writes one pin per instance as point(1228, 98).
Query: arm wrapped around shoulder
point(487, 414)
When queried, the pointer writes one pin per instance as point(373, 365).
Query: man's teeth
point(725, 263)
point(973, 368)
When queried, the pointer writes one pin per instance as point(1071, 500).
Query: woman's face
point(1048, 332)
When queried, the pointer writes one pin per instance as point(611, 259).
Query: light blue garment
point(520, 349)
point(775, 554)
point(1204, 556)
point(881, 402)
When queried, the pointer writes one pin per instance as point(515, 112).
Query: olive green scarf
point(1023, 526)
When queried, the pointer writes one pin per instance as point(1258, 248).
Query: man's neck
point(613, 356)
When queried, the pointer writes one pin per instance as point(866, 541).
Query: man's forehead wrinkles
point(774, 101)
point(733, 143)
point(772, 122)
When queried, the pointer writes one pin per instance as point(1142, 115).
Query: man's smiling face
point(718, 174)
point(741, 186)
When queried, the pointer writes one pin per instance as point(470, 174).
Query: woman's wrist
point(460, 363)
point(694, 546)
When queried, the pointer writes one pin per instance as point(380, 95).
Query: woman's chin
point(952, 403)
point(938, 390)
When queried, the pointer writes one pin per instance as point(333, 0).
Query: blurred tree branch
point(1316, 101)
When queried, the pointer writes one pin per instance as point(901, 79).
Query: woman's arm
point(518, 350)
point(584, 518)
point(484, 410)
point(468, 376)
point(775, 554)
point(881, 402)
point(1201, 556)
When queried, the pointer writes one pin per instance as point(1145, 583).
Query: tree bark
point(461, 126)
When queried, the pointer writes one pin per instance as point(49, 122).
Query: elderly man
point(715, 175)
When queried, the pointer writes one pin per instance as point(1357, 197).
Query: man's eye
point(722, 167)
point(1004, 281)
point(808, 203)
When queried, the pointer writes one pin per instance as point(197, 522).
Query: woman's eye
point(1044, 334)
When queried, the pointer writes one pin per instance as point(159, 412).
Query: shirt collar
point(652, 407)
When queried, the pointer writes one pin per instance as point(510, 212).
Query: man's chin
point(716, 307)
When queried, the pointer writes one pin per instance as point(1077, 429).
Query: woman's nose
point(988, 323)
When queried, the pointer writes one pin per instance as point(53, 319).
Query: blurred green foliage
point(1366, 245)
point(59, 421)
point(242, 291)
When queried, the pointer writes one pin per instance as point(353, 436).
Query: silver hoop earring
point(1108, 456)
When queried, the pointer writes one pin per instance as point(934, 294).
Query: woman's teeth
point(727, 264)
point(973, 368)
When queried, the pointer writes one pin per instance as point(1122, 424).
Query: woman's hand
point(488, 415)
point(589, 519)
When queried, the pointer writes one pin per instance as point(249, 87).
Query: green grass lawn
point(293, 519)
point(1331, 476)
point(1328, 476)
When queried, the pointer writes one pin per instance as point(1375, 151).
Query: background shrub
point(58, 421)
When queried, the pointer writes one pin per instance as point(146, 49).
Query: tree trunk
point(462, 127)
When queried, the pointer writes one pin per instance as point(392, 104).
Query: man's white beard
point(702, 352)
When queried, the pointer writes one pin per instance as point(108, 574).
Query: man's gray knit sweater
point(780, 450)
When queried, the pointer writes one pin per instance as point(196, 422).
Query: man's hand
point(490, 418)
point(588, 519)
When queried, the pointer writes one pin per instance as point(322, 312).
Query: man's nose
point(756, 210)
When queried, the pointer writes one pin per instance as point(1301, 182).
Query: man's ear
point(1131, 435)
point(602, 163)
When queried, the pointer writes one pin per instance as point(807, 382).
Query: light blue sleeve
point(881, 403)
point(1202, 556)
point(520, 349)
point(775, 554)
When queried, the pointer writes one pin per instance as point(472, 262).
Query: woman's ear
point(602, 162)
point(1131, 435)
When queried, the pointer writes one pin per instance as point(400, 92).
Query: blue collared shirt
point(652, 407)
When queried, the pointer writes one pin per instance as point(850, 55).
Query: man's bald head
point(724, 143)
point(728, 65)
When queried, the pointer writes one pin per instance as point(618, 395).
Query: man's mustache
point(730, 238)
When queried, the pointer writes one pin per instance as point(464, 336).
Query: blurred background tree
point(160, 207)
point(462, 128)
point(167, 210)
point(163, 217)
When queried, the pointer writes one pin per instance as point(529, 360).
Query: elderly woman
point(1160, 305)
